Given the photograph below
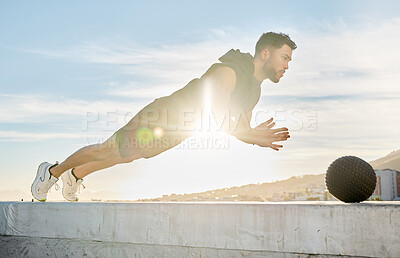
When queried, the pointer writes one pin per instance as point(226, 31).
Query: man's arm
point(223, 81)
point(218, 85)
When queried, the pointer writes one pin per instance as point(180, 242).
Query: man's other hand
point(265, 135)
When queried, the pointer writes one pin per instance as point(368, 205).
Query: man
point(230, 89)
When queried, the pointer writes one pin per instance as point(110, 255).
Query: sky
point(73, 72)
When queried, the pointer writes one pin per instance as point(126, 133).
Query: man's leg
point(88, 168)
point(47, 174)
point(101, 155)
point(73, 179)
point(107, 151)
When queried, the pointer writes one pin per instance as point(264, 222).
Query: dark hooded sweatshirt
point(247, 89)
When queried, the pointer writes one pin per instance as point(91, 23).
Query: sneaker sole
point(34, 183)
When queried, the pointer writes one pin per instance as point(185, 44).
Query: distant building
point(293, 196)
point(387, 185)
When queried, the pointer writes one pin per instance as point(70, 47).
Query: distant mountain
point(254, 192)
point(391, 161)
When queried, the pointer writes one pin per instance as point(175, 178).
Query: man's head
point(275, 51)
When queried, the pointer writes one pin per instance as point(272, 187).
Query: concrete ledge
point(287, 229)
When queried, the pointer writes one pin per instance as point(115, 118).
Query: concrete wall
point(200, 229)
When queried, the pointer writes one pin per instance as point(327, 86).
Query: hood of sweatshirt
point(247, 89)
point(242, 61)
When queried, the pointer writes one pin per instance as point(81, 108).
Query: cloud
point(38, 108)
point(347, 73)
point(15, 136)
point(342, 59)
point(163, 68)
point(140, 90)
point(320, 99)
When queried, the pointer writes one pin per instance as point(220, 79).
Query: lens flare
point(145, 135)
point(158, 132)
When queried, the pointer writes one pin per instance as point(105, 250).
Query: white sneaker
point(43, 182)
point(70, 186)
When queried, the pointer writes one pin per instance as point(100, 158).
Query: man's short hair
point(272, 39)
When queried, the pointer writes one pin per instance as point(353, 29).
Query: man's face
point(277, 62)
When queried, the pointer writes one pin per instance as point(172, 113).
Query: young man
point(230, 89)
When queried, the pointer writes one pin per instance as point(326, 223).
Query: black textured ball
point(350, 179)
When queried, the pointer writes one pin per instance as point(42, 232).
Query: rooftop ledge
point(200, 229)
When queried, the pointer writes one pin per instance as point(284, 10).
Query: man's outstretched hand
point(265, 135)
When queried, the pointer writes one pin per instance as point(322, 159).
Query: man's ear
point(266, 54)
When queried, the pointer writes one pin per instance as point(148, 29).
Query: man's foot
point(43, 182)
point(70, 186)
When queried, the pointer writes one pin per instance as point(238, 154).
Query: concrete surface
point(225, 229)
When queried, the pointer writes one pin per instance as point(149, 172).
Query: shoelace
point(48, 185)
point(78, 187)
point(56, 186)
